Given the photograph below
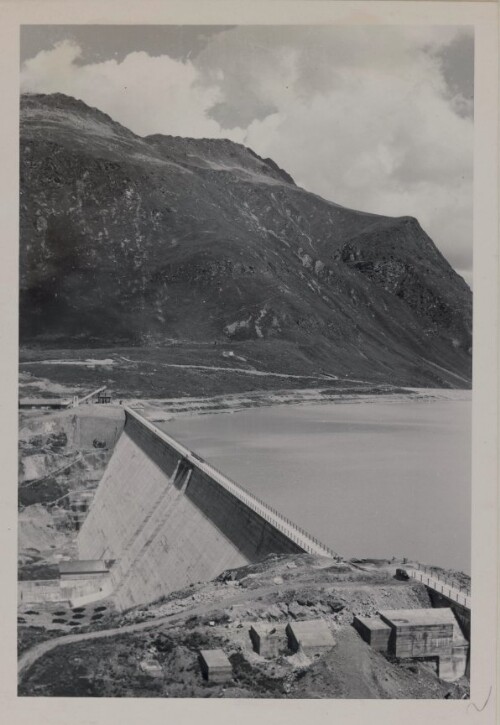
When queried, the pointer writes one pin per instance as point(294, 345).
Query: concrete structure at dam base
point(419, 634)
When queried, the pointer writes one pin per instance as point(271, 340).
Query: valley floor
point(187, 369)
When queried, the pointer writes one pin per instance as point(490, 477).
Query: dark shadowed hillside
point(135, 241)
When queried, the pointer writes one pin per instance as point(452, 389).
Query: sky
point(375, 118)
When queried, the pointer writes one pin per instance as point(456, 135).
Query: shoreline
point(164, 409)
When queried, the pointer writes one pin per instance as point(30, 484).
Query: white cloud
point(146, 94)
point(361, 116)
point(396, 153)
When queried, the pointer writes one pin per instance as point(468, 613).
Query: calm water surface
point(369, 479)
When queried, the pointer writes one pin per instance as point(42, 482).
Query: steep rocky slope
point(135, 241)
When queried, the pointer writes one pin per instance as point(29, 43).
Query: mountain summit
point(134, 241)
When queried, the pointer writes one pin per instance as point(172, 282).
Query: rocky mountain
point(134, 241)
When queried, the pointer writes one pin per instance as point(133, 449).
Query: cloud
point(364, 117)
point(146, 94)
point(372, 118)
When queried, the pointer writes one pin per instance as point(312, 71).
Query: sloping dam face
point(169, 519)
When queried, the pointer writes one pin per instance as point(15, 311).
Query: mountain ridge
point(128, 239)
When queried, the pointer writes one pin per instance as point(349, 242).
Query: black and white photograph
point(245, 361)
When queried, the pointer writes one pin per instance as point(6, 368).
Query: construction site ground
point(152, 651)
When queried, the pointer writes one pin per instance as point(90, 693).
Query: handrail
point(250, 500)
point(452, 593)
point(445, 579)
point(291, 530)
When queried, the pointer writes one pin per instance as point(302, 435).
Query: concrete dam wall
point(169, 519)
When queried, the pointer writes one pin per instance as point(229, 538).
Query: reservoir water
point(379, 478)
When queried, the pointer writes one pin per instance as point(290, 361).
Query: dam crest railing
point(291, 530)
point(441, 584)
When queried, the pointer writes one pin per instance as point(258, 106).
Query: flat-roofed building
point(215, 666)
point(268, 640)
point(428, 634)
point(419, 632)
point(374, 631)
point(312, 636)
point(86, 580)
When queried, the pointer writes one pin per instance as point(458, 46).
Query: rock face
point(132, 241)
